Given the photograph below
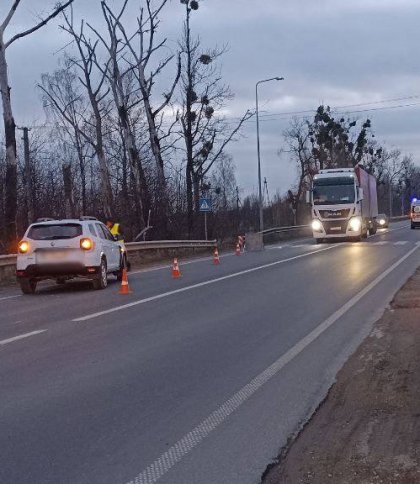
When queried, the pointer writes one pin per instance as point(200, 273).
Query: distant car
point(69, 248)
point(382, 221)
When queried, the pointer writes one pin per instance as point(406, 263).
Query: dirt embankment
point(368, 428)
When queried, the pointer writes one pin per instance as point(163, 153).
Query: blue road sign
point(205, 205)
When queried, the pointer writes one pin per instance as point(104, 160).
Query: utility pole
point(28, 176)
point(260, 196)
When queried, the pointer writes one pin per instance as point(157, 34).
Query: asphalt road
point(197, 380)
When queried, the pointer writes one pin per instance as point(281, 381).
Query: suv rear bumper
point(45, 271)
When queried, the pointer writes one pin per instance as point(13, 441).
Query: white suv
point(64, 249)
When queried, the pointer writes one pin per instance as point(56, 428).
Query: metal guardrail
point(170, 244)
point(276, 230)
point(7, 260)
point(10, 260)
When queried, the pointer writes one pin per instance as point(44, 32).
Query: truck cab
point(343, 204)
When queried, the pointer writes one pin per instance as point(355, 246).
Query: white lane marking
point(401, 242)
point(200, 284)
point(9, 297)
point(381, 242)
point(181, 448)
point(21, 336)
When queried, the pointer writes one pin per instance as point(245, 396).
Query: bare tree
point(141, 59)
point(297, 139)
point(9, 122)
point(205, 134)
point(97, 93)
point(119, 78)
point(63, 99)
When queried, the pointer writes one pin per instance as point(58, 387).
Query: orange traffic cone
point(176, 273)
point(216, 259)
point(125, 288)
point(238, 249)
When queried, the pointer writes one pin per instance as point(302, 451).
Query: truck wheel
point(28, 286)
point(413, 226)
point(319, 241)
point(357, 239)
point(101, 280)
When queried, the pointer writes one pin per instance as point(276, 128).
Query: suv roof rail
point(45, 219)
point(87, 217)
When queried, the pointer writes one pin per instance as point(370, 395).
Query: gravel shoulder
point(367, 430)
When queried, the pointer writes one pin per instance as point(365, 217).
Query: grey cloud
point(337, 52)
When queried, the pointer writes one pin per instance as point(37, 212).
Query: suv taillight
point(23, 247)
point(86, 244)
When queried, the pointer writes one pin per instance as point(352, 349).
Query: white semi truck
point(344, 204)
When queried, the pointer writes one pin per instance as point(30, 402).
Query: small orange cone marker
point(176, 273)
point(216, 259)
point(125, 288)
point(238, 249)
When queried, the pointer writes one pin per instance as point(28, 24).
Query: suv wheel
point(28, 286)
point(101, 279)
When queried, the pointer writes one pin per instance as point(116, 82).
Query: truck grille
point(334, 214)
point(335, 226)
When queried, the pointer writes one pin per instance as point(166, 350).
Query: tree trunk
point(188, 131)
point(142, 190)
point(107, 198)
point(11, 166)
point(82, 169)
point(68, 191)
point(28, 178)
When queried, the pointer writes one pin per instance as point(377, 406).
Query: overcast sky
point(337, 52)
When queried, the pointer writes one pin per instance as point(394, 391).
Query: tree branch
point(9, 15)
point(54, 14)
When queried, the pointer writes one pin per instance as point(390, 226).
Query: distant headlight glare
point(381, 221)
point(316, 225)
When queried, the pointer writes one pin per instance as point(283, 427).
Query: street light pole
point(260, 198)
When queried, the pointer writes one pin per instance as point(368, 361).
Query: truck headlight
point(355, 224)
point(317, 225)
point(381, 221)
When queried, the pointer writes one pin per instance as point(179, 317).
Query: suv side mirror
point(360, 194)
point(308, 196)
point(116, 238)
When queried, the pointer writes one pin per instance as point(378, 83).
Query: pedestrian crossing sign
point(205, 205)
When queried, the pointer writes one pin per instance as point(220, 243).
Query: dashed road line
point(186, 444)
point(21, 336)
point(200, 284)
point(10, 297)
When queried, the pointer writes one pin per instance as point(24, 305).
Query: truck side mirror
point(360, 194)
point(308, 196)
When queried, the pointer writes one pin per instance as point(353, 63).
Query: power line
point(383, 101)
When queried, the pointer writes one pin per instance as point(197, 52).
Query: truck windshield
point(333, 191)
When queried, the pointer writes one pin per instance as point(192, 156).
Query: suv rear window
point(54, 231)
